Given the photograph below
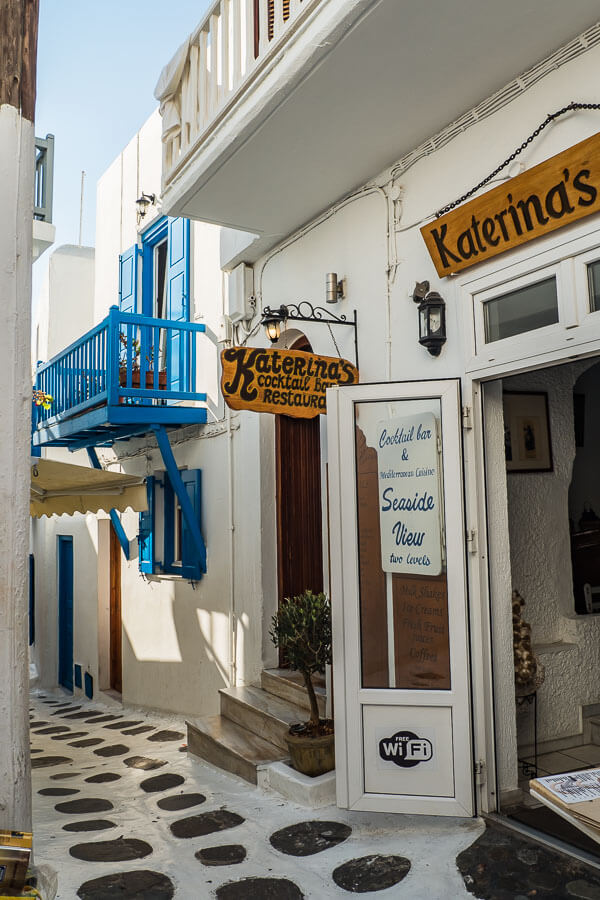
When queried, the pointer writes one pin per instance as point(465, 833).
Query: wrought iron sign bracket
point(306, 312)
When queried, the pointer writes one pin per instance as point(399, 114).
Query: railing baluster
point(157, 361)
point(192, 78)
point(225, 48)
point(250, 43)
point(192, 384)
point(213, 73)
point(203, 74)
point(237, 65)
point(278, 20)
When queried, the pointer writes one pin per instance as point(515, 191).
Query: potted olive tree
point(302, 629)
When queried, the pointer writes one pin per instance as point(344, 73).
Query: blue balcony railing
point(125, 361)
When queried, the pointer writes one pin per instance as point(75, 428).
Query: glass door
point(399, 598)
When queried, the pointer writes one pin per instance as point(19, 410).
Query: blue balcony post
point(112, 360)
point(187, 509)
point(114, 518)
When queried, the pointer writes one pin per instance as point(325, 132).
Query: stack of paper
point(573, 795)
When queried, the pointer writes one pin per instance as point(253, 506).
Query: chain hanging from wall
point(572, 107)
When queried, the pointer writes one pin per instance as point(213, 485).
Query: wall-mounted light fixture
point(272, 320)
point(432, 317)
point(334, 290)
point(143, 202)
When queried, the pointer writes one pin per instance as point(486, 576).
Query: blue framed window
point(154, 281)
point(165, 543)
point(163, 260)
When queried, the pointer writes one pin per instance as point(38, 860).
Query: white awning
point(58, 488)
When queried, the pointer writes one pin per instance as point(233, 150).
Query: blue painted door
point(65, 611)
point(178, 307)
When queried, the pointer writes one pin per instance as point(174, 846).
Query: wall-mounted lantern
point(432, 318)
point(272, 320)
point(142, 203)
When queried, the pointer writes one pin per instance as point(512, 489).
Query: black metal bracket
point(304, 311)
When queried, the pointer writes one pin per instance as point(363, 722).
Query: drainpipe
point(231, 526)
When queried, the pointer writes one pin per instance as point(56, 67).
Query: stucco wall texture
point(541, 566)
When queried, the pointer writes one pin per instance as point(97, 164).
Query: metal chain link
point(334, 340)
point(549, 118)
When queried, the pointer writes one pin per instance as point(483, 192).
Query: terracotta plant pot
point(135, 379)
point(312, 755)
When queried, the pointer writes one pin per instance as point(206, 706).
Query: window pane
point(403, 590)
point(531, 307)
point(594, 281)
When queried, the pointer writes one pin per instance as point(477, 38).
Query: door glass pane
point(403, 591)
point(594, 282)
point(531, 307)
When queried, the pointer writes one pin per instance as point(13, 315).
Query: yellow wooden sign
point(553, 194)
point(281, 381)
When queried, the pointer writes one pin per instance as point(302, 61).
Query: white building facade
point(275, 149)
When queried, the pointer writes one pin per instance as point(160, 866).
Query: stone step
point(289, 685)
point(231, 747)
point(594, 724)
point(262, 713)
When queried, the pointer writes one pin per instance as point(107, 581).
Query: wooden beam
point(18, 54)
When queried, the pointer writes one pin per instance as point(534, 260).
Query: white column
point(16, 203)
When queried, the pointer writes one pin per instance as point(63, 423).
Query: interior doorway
point(298, 501)
point(116, 640)
point(542, 443)
point(65, 610)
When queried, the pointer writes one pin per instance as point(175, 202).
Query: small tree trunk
point(314, 706)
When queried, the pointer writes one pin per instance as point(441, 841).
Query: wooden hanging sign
point(549, 196)
point(290, 382)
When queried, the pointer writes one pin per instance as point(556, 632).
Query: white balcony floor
point(356, 87)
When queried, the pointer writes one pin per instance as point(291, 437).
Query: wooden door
point(116, 680)
point(299, 525)
point(400, 614)
point(65, 611)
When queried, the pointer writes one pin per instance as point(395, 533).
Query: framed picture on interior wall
point(527, 444)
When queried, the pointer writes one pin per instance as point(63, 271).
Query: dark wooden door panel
point(116, 658)
point(299, 523)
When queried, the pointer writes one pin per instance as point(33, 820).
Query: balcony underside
point(105, 424)
point(359, 85)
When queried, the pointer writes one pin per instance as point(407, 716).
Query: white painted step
point(231, 747)
point(262, 713)
point(289, 685)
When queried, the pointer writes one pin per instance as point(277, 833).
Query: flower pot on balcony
point(136, 380)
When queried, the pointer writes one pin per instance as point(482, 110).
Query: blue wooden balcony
point(127, 376)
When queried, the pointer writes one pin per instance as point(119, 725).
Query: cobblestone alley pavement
point(121, 812)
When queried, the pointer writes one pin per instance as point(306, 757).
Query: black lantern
point(272, 319)
point(432, 318)
point(143, 202)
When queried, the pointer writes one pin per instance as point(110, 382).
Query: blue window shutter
point(168, 529)
point(192, 479)
point(128, 279)
point(146, 532)
point(178, 299)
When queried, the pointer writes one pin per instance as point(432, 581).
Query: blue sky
point(98, 63)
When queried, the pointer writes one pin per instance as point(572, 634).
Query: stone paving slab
point(227, 864)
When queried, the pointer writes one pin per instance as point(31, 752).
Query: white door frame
point(350, 697)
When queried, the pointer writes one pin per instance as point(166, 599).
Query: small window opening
point(517, 312)
point(593, 271)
